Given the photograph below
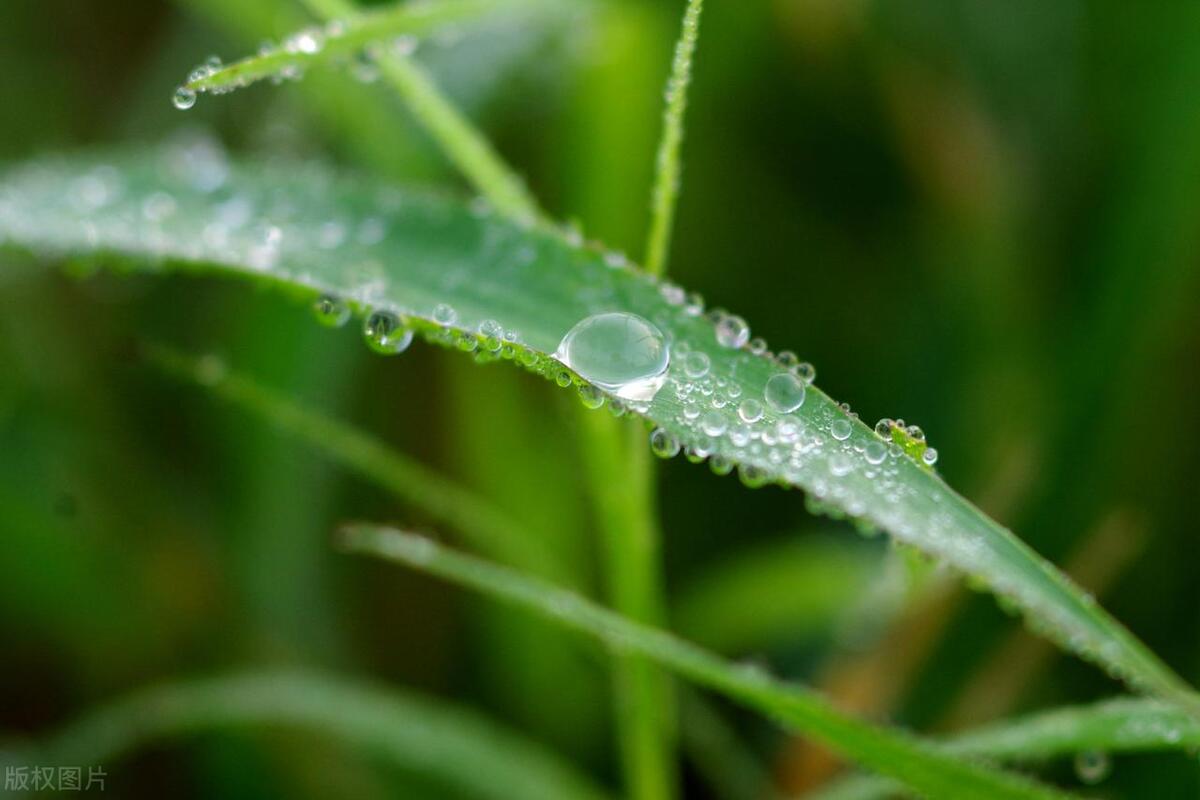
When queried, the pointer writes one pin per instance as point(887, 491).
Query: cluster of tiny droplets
point(291, 58)
point(723, 396)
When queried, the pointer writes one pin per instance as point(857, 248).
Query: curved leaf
point(450, 744)
point(431, 259)
point(1120, 725)
point(915, 763)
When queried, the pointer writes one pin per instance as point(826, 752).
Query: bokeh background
point(979, 216)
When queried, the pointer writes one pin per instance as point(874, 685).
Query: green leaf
point(453, 745)
point(892, 753)
point(409, 253)
point(1120, 725)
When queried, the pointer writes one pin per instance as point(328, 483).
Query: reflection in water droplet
point(184, 98)
point(385, 334)
point(331, 311)
point(663, 444)
point(840, 429)
point(732, 331)
point(619, 352)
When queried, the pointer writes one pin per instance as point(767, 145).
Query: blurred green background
point(980, 216)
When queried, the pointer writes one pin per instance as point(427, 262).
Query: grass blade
point(667, 164)
point(410, 731)
point(349, 37)
point(1120, 725)
point(916, 764)
point(487, 528)
point(411, 254)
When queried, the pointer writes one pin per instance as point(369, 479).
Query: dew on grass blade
point(184, 98)
point(330, 311)
point(840, 429)
point(619, 352)
point(663, 444)
point(385, 334)
point(784, 392)
point(732, 331)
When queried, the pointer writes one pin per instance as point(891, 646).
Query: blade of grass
point(354, 32)
point(890, 752)
point(425, 251)
point(486, 528)
point(622, 486)
point(465, 146)
point(453, 745)
point(667, 164)
point(1120, 725)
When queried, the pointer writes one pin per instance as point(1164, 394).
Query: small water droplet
point(184, 98)
point(784, 392)
point(750, 410)
point(806, 372)
point(696, 364)
point(713, 423)
point(385, 334)
point(930, 456)
point(883, 428)
point(1092, 766)
point(752, 476)
point(916, 433)
point(444, 314)
point(590, 396)
point(330, 311)
point(663, 444)
point(732, 331)
point(787, 359)
point(875, 452)
point(840, 429)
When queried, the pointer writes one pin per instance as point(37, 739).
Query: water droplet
point(758, 345)
point(840, 429)
point(784, 392)
point(385, 334)
point(492, 333)
point(732, 331)
point(930, 456)
point(806, 372)
point(663, 444)
point(1092, 766)
point(696, 364)
point(750, 410)
point(875, 452)
point(916, 433)
point(840, 464)
point(619, 352)
point(720, 465)
point(713, 423)
point(330, 311)
point(184, 98)
point(590, 396)
point(444, 314)
point(751, 475)
point(883, 428)
point(787, 359)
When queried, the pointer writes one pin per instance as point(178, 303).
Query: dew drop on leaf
point(330, 311)
point(385, 334)
point(784, 392)
point(732, 331)
point(184, 98)
point(840, 429)
point(619, 352)
point(663, 444)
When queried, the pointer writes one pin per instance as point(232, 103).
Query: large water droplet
point(663, 444)
point(784, 392)
point(619, 352)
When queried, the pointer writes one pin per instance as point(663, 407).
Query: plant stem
point(667, 167)
point(621, 479)
point(465, 146)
